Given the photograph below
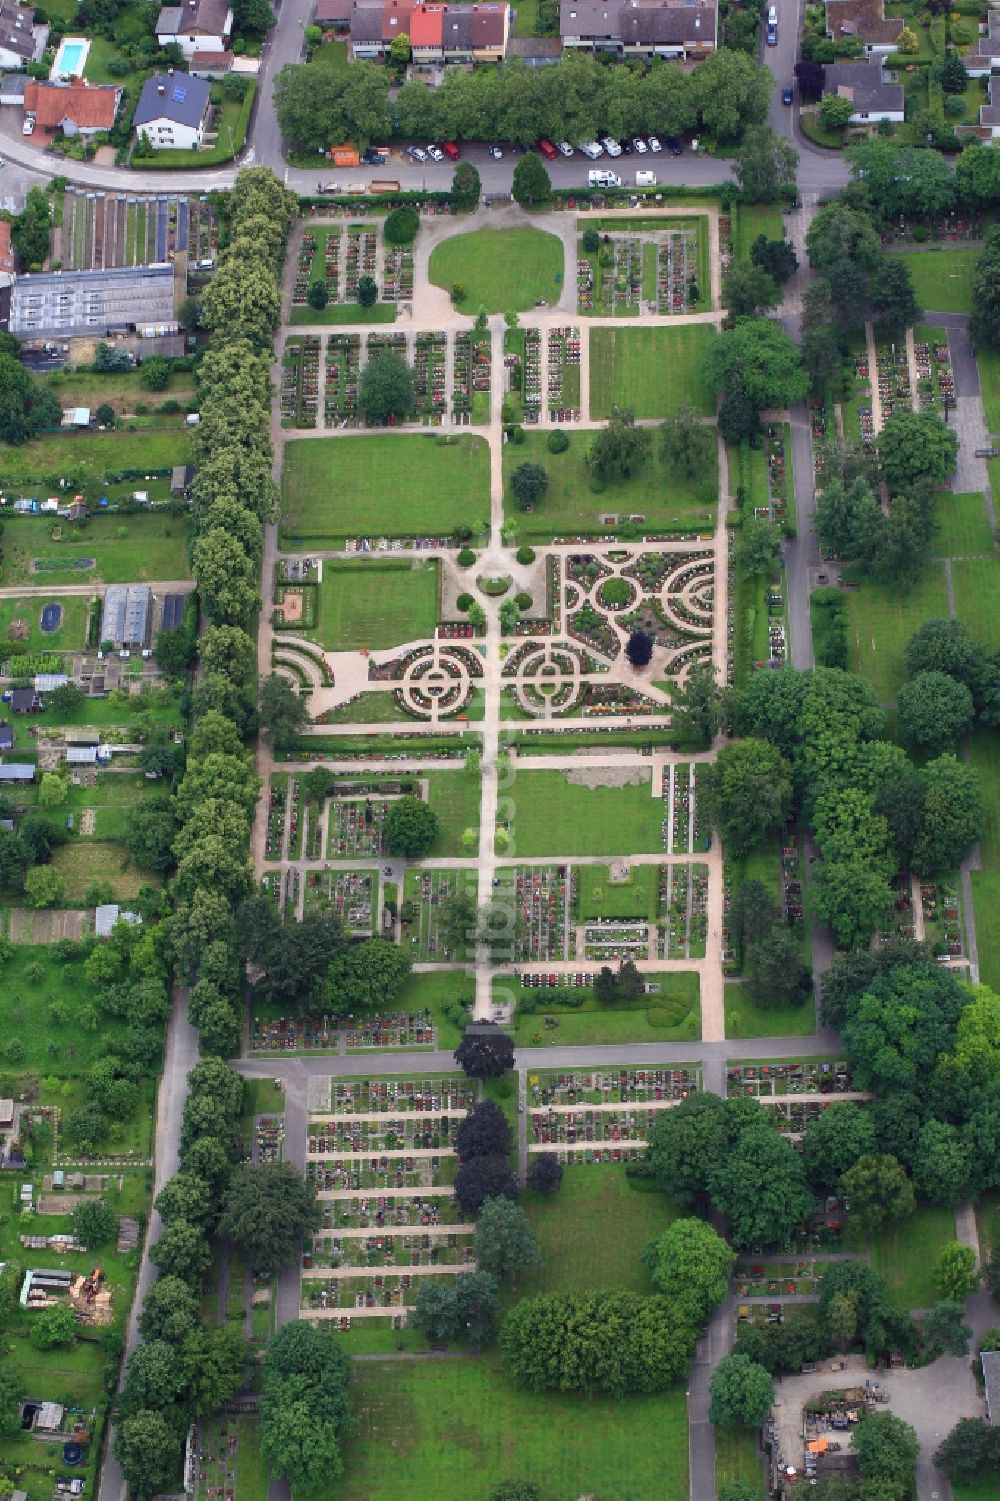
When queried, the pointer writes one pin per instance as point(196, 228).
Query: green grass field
point(89, 860)
point(753, 219)
point(502, 270)
point(570, 506)
point(905, 1254)
point(439, 1429)
point(572, 1229)
point(651, 370)
point(880, 622)
point(39, 990)
point(454, 797)
point(976, 600)
point(738, 1458)
point(124, 549)
point(942, 279)
point(431, 989)
point(344, 312)
point(745, 1019)
point(376, 604)
point(70, 634)
point(986, 880)
point(598, 897)
point(983, 1488)
point(963, 527)
point(672, 1015)
point(988, 361)
point(397, 484)
point(548, 814)
point(85, 458)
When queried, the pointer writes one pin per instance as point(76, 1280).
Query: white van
point(591, 149)
point(645, 179)
point(772, 16)
point(602, 179)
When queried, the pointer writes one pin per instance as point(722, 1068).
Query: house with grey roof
point(678, 29)
point(873, 92)
point(17, 39)
point(989, 113)
point(173, 111)
point(111, 300)
point(196, 26)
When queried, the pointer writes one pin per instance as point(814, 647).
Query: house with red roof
point(77, 108)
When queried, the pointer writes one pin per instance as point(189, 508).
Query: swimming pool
point(71, 57)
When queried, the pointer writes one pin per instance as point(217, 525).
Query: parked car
point(565, 148)
point(547, 149)
point(611, 146)
point(772, 35)
point(674, 146)
point(654, 144)
point(640, 145)
point(450, 150)
point(373, 157)
point(593, 149)
point(435, 153)
point(29, 125)
point(416, 153)
point(786, 95)
point(496, 153)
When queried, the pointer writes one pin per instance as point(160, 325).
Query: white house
point(196, 26)
point(173, 110)
point(17, 40)
point(872, 91)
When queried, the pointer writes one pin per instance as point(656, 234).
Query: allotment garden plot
point(380, 1153)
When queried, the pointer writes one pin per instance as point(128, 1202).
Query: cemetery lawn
point(651, 370)
point(431, 988)
point(399, 484)
point(502, 270)
point(745, 1019)
point(376, 604)
point(988, 361)
point(963, 527)
point(439, 1429)
point(753, 219)
point(977, 602)
point(737, 1458)
point(881, 621)
point(572, 1229)
point(986, 880)
point(153, 547)
point(671, 1015)
point(455, 797)
point(983, 1488)
point(905, 1254)
point(569, 506)
point(551, 815)
point(601, 897)
point(942, 279)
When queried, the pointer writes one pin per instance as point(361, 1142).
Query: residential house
point(196, 26)
point(75, 108)
point(680, 32)
point(17, 40)
point(333, 15)
point(989, 114)
point(865, 19)
point(535, 51)
point(985, 56)
point(173, 110)
point(640, 28)
point(125, 620)
point(872, 91)
point(438, 33)
point(6, 253)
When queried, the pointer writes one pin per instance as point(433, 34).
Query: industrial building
point(127, 614)
point(119, 300)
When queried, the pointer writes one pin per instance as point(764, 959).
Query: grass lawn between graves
point(745, 1019)
point(109, 549)
point(570, 507)
point(673, 1014)
point(572, 1229)
point(651, 370)
point(600, 897)
point(905, 1254)
point(398, 484)
point(986, 880)
point(438, 1429)
point(548, 814)
point(502, 270)
point(344, 312)
point(963, 528)
point(375, 604)
point(942, 279)
point(880, 622)
point(977, 602)
point(988, 361)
